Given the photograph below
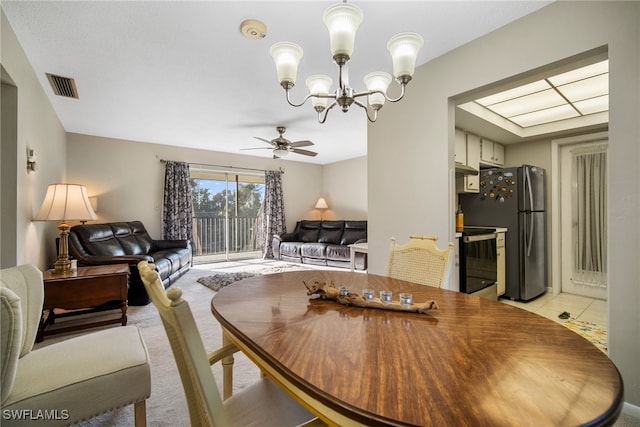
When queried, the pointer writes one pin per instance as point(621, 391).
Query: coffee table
point(88, 290)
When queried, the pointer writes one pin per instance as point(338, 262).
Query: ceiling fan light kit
point(342, 21)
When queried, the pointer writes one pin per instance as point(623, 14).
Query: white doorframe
point(556, 252)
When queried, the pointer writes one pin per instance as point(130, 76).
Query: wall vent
point(63, 86)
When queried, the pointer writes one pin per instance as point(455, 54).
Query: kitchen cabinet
point(461, 147)
point(502, 265)
point(469, 144)
point(491, 153)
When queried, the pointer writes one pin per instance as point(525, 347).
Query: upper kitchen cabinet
point(467, 148)
point(491, 153)
point(461, 147)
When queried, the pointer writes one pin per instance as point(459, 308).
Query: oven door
point(478, 262)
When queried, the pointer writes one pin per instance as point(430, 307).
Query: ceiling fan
point(282, 146)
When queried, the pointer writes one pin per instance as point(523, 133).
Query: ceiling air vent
point(63, 86)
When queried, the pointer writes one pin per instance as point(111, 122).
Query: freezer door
point(533, 271)
point(531, 188)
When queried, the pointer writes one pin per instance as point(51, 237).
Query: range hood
point(465, 170)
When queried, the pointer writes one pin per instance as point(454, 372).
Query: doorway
point(583, 218)
point(227, 215)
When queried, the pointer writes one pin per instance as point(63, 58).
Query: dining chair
point(420, 261)
point(262, 403)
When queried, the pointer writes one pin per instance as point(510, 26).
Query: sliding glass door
point(227, 220)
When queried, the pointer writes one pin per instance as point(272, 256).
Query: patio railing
point(210, 234)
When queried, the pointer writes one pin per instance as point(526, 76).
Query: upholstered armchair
point(68, 381)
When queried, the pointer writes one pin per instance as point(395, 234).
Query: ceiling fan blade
point(265, 140)
point(304, 152)
point(258, 148)
point(305, 143)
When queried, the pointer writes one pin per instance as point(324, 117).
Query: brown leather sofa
point(322, 243)
point(129, 243)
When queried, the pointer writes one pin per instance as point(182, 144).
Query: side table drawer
point(85, 292)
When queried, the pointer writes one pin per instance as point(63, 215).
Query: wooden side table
point(88, 290)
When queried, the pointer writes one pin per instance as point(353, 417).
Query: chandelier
point(342, 21)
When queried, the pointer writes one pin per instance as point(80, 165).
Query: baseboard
point(631, 410)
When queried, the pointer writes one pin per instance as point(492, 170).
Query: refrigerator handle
point(530, 242)
point(528, 188)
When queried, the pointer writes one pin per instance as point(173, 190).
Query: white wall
point(414, 194)
point(128, 177)
point(344, 187)
point(38, 127)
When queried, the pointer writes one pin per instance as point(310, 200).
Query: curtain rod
point(230, 167)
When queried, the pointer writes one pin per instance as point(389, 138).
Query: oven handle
point(479, 237)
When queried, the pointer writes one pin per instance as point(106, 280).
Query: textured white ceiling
point(181, 73)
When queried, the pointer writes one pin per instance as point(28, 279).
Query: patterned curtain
point(274, 222)
point(178, 207)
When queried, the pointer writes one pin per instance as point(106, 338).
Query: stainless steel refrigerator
point(514, 198)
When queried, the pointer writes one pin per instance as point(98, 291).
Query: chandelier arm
point(311, 95)
point(402, 86)
point(323, 118)
point(296, 105)
point(375, 110)
point(371, 92)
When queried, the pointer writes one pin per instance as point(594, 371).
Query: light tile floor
point(580, 308)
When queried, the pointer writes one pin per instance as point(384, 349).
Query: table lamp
point(64, 202)
point(322, 205)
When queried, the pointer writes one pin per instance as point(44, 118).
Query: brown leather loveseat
point(129, 243)
point(322, 243)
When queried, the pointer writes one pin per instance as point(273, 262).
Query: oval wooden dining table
point(471, 362)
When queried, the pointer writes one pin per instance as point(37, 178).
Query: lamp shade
point(342, 21)
point(404, 48)
point(64, 202)
point(287, 57)
point(321, 204)
point(319, 84)
point(378, 80)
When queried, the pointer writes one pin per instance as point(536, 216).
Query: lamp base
point(62, 266)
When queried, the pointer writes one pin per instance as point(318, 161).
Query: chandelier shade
point(404, 48)
point(377, 83)
point(287, 57)
point(342, 21)
point(319, 84)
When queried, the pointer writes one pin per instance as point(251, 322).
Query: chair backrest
point(21, 299)
point(420, 261)
point(201, 391)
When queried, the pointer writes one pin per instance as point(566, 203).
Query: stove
point(478, 261)
point(474, 231)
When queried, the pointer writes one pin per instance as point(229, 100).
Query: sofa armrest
point(170, 244)
point(287, 237)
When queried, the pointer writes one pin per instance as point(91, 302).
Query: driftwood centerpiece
point(331, 292)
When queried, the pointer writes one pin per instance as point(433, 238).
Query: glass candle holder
point(368, 294)
point(406, 299)
point(386, 296)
